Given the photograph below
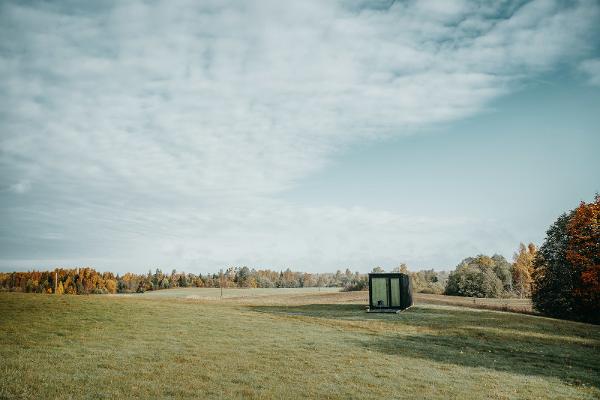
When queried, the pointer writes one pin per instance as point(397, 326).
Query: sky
point(312, 135)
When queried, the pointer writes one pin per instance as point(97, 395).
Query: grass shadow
point(507, 342)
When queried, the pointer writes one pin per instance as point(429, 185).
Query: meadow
point(286, 343)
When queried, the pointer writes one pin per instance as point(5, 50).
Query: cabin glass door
point(379, 292)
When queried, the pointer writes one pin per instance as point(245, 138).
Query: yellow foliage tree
point(60, 289)
point(111, 285)
point(522, 269)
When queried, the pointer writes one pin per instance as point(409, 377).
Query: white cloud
point(274, 234)
point(182, 110)
point(591, 68)
point(20, 187)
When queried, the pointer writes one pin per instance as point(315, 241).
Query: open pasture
point(285, 344)
point(330, 295)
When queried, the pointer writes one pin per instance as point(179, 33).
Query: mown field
point(189, 343)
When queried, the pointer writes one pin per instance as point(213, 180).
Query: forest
point(89, 281)
point(504, 280)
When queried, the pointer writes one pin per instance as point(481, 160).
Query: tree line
point(562, 277)
point(89, 281)
point(478, 276)
point(485, 276)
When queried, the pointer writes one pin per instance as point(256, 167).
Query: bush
point(481, 276)
point(428, 281)
point(357, 285)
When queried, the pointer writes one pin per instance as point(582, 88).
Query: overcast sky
point(315, 135)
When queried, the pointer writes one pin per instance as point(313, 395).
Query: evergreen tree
point(553, 276)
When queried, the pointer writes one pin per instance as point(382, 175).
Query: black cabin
point(389, 292)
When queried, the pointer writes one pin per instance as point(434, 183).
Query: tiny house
point(389, 292)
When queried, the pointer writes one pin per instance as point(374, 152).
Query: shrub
point(357, 285)
point(480, 276)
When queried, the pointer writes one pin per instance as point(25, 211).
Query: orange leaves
point(583, 253)
point(584, 234)
point(591, 277)
point(567, 268)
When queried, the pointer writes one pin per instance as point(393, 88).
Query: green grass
point(289, 345)
point(230, 293)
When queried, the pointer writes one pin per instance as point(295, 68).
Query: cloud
point(131, 115)
point(20, 187)
point(275, 235)
point(591, 68)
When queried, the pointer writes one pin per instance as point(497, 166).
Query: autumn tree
point(522, 269)
point(566, 278)
point(583, 253)
point(403, 268)
point(111, 285)
point(86, 280)
point(60, 289)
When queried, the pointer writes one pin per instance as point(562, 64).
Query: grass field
point(285, 344)
point(301, 295)
point(235, 293)
point(514, 305)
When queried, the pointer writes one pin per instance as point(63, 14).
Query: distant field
point(272, 343)
point(514, 305)
point(215, 293)
point(292, 294)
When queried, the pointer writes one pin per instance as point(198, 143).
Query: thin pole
point(55, 281)
point(221, 283)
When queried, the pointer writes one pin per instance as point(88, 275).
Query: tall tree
point(60, 289)
point(583, 253)
point(566, 278)
point(522, 269)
